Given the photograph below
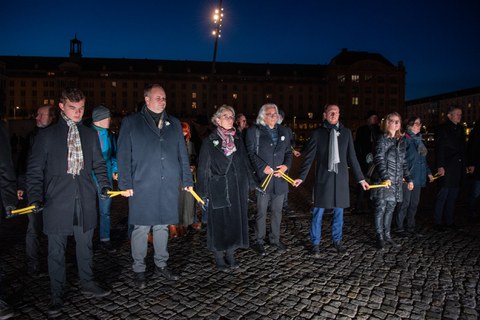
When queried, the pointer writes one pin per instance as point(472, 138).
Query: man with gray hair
point(270, 152)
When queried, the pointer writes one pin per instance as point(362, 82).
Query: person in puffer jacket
point(390, 169)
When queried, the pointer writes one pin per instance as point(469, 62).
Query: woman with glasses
point(390, 169)
point(416, 158)
point(223, 178)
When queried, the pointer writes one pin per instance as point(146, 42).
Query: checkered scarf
point(75, 155)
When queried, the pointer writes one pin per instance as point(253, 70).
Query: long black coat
point(331, 189)
point(390, 164)
point(265, 152)
point(49, 182)
point(8, 185)
point(227, 228)
point(450, 153)
point(155, 164)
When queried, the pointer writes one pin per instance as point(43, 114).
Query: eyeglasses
point(393, 121)
point(271, 115)
point(417, 123)
point(224, 116)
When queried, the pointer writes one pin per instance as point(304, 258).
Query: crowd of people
point(68, 167)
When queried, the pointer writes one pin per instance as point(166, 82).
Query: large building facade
point(433, 109)
point(357, 81)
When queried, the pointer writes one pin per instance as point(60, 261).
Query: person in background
point(416, 158)
point(241, 124)
point(224, 179)
point(59, 180)
point(101, 118)
point(391, 168)
point(473, 168)
point(8, 199)
point(331, 146)
point(153, 168)
point(270, 153)
point(450, 145)
point(364, 147)
point(186, 200)
point(45, 117)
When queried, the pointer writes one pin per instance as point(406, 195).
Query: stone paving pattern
point(431, 277)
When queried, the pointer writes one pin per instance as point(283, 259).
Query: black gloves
point(104, 192)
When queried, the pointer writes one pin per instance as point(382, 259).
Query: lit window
point(194, 95)
point(114, 84)
point(310, 115)
point(235, 96)
point(355, 101)
point(194, 105)
point(341, 78)
point(355, 78)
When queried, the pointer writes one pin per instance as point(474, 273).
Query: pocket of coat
point(219, 192)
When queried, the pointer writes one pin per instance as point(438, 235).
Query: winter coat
point(227, 227)
point(417, 162)
point(450, 153)
point(8, 185)
point(263, 152)
point(390, 164)
point(155, 164)
point(108, 145)
point(49, 183)
point(473, 152)
point(331, 190)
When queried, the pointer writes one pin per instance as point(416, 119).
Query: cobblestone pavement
point(434, 276)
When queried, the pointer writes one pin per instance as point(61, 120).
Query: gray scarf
point(75, 154)
point(333, 154)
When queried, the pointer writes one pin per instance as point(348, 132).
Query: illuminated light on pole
point(217, 31)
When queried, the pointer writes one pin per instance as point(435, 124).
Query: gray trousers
point(56, 259)
point(139, 242)
point(32, 238)
point(275, 218)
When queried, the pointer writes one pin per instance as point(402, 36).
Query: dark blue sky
point(438, 42)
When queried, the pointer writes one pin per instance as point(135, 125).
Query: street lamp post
point(217, 33)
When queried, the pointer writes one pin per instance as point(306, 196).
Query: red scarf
point(228, 144)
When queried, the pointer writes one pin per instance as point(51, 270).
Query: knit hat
point(99, 113)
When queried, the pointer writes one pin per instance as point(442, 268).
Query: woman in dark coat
point(223, 179)
point(390, 168)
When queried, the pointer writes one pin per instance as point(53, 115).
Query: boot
point(380, 242)
point(230, 257)
point(388, 239)
point(388, 223)
point(220, 261)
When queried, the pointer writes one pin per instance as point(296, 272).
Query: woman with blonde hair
point(390, 169)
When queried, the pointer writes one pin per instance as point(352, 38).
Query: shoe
point(315, 251)
point(107, 246)
point(259, 249)
point(94, 290)
point(6, 312)
point(392, 243)
point(281, 247)
point(338, 246)
point(380, 244)
point(232, 262)
point(55, 307)
point(139, 280)
point(166, 273)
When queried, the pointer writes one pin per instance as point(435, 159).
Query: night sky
point(438, 42)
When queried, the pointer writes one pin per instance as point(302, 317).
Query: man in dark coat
point(473, 161)
point(450, 159)
point(331, 146)
point(45, 117)
point(269, 150)
point(8, 197)
point(59, 179)
point(153, 167)
point(364, 146)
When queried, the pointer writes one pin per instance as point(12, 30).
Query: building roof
point(346, 58)
point(448, 95)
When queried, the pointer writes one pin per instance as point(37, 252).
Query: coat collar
point(151, 124)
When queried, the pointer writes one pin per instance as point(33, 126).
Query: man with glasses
point(331, 146)
point(270, 152)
